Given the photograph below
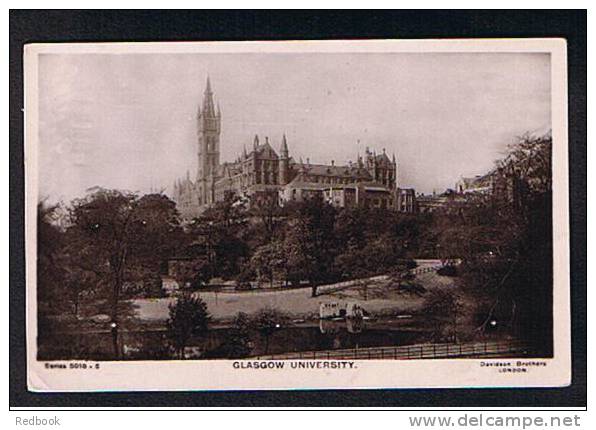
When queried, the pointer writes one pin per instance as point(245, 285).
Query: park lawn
point(376, 297)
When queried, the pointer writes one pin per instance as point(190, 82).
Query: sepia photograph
point(356, 208)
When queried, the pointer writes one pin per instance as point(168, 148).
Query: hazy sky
point(128, 121)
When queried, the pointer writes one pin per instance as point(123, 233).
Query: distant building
point(482, 184)
point(429, 203)
point(370, 182)
point(261, 172)
point(406, 200)
point(501, 182)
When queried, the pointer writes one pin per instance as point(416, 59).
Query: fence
point(333, 288)
point(426, 269)
point(411, 352)
point(338, 286)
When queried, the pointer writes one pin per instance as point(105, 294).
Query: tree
point(120, 237)
point(529, 160)
point(267, 209)
point(267, 321)
point(78, 283)
point(231, 252)
point(374, 240)
point(229, 213)
point(195, 272)
point(188, 317)
point(298, 257)
point(402, 272)
point(56, 294)
point(269, 259)
point(350, 262)
point(504, 241)
point(219, 230)
point(441, 309)
point(350, 227)
point(237, 341)
point(50, 273)
point(240, 341)
point(310, 242)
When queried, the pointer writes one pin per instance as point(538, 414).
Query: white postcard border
point(367, 374)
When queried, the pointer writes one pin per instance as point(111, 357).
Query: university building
point(262, 172)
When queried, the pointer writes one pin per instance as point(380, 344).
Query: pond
point(153, 345)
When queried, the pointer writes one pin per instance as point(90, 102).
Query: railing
point(426, 269)
point(338, 286)
point(410, 352)
point(333, 288)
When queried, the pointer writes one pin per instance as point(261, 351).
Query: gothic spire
point(208, 88)
point(208, 106)
point(284, 146)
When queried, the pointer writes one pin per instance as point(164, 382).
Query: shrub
point(448, 270)
point(188, 317)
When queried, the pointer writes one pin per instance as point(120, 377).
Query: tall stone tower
point(209, 129)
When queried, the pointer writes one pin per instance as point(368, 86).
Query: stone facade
point(262, 172)
point(481, 184)
point(432, 203)
point(406, 200)
point(501, 181)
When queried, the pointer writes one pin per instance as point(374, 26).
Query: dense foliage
point(188, 317)
point(504, 242)
point(110, 246)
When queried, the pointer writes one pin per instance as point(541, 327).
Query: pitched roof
point(298, 182)
point(261, 148)
point(334, 171)
point(477, 181)
point(383, 159)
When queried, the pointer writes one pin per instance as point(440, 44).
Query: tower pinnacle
point(209, 129)
point(208, 105)
point(208, 87)
point(284, 146)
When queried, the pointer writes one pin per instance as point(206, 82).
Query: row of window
point(328, 179)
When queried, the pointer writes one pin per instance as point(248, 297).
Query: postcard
point(297, 215)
